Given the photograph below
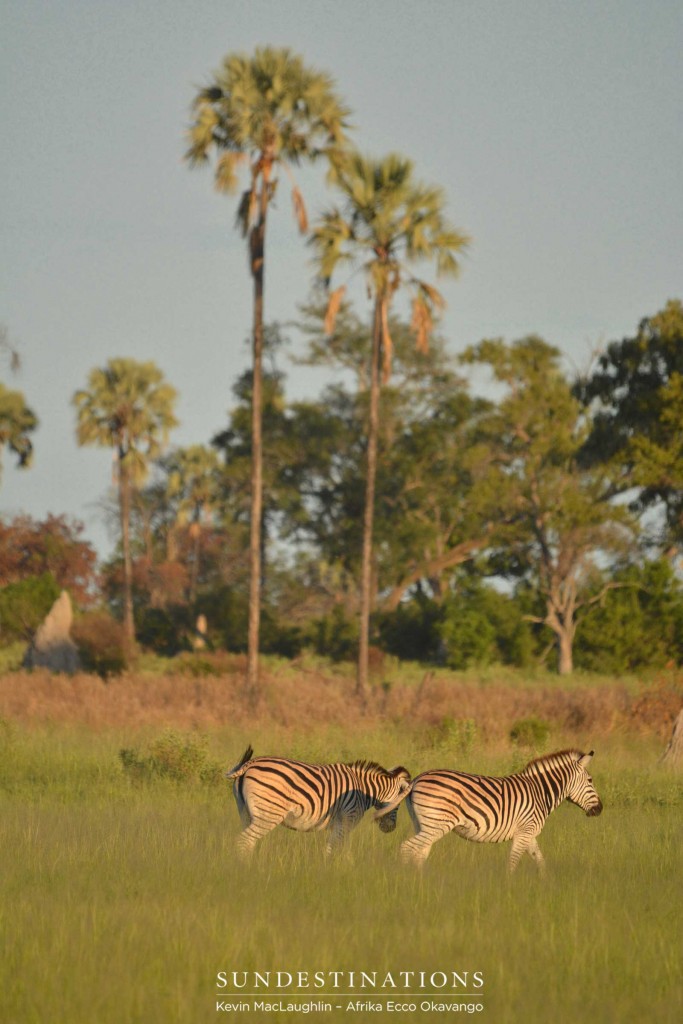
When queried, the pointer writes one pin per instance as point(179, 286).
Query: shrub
point(458, 734)
point(530, 732)
point(636, 626)
point(335, 635)
point(175, 757)
point(100, 642)
point(481, 626)
point(164, 630)
point(411, 631)
point(24, 605)
point(227, 615)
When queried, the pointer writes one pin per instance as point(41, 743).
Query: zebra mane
point(551, 760)
point(366, 766)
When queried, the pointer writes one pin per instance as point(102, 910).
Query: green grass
point(122, 902)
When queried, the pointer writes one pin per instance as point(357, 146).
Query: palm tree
point(17, 421)
point(128, 406)
point(387, 222)
point(265, 113)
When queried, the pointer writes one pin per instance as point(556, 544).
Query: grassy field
point(123, 901)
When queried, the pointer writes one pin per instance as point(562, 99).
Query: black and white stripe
point(486, 809)
point(272, 791)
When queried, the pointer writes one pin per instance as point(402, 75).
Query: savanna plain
point(123, 898)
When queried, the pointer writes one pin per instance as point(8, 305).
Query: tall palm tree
point(387, 223)
point(128, 406)
point(264, 113)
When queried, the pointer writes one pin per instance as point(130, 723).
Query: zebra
point(272, 791)
point(486, 809)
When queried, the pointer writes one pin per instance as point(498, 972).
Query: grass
point(122, 901)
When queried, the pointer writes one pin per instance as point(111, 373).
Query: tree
point(437, 492)
point(387, 223)
point(17, 421)
point(192, 485)
point(635, 394)
point(30, 547)
point(640, 627)
point(560, 514)
point(129, 407)
point(268, 111)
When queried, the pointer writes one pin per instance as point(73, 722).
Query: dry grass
point(292, 696)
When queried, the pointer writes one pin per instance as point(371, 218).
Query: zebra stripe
point(486, 809)
point(272, 791)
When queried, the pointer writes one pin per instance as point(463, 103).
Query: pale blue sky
point(555, 129)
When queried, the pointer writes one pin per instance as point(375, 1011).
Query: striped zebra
point(486, 809)
point(272, 791)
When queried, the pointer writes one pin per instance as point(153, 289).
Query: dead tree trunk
point(673, 755)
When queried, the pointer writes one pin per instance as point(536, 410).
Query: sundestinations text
point(348, 980)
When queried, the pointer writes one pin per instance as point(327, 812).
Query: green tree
point(561, 515)
point(641, 626)
point(437, 480)
point(387, 223)
point(128, 406)
point(24, 605)
point(17, 421)
point(635, 393)
point(193, 488)
point(267, 112)
point(54, 546)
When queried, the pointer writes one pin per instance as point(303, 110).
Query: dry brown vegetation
point(293, 696)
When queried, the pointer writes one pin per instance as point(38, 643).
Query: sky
point(554, 129)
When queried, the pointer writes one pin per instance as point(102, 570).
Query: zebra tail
point(383, 811)
point(240, 768)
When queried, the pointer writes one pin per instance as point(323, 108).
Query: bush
point(639, 625)
point(530, 732)
point(458, 734)
point(24, 605)
point(482, 626)
point(335, 636)
point(175, 757)
point(227, 617)
point(411, 631)
point(100, 642)
point(164, 630)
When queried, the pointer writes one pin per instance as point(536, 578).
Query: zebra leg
point(416, 850)
point(522, 844)
point(249, 837)
point(340, 827)
point(534, 851)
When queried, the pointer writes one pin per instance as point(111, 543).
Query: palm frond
point(300, 210)
point(333, 309)
point(421, 323)
point(226, 178)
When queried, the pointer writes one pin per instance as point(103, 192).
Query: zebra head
point(393, 786)
point(581, 790)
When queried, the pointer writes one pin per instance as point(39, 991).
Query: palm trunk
point(194, 572)
point(124, 508)
point(257, 254)
point(368, 515)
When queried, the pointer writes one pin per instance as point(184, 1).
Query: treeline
point(399, 508)
point(539, 526)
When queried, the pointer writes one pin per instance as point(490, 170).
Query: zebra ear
point(585, 760)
